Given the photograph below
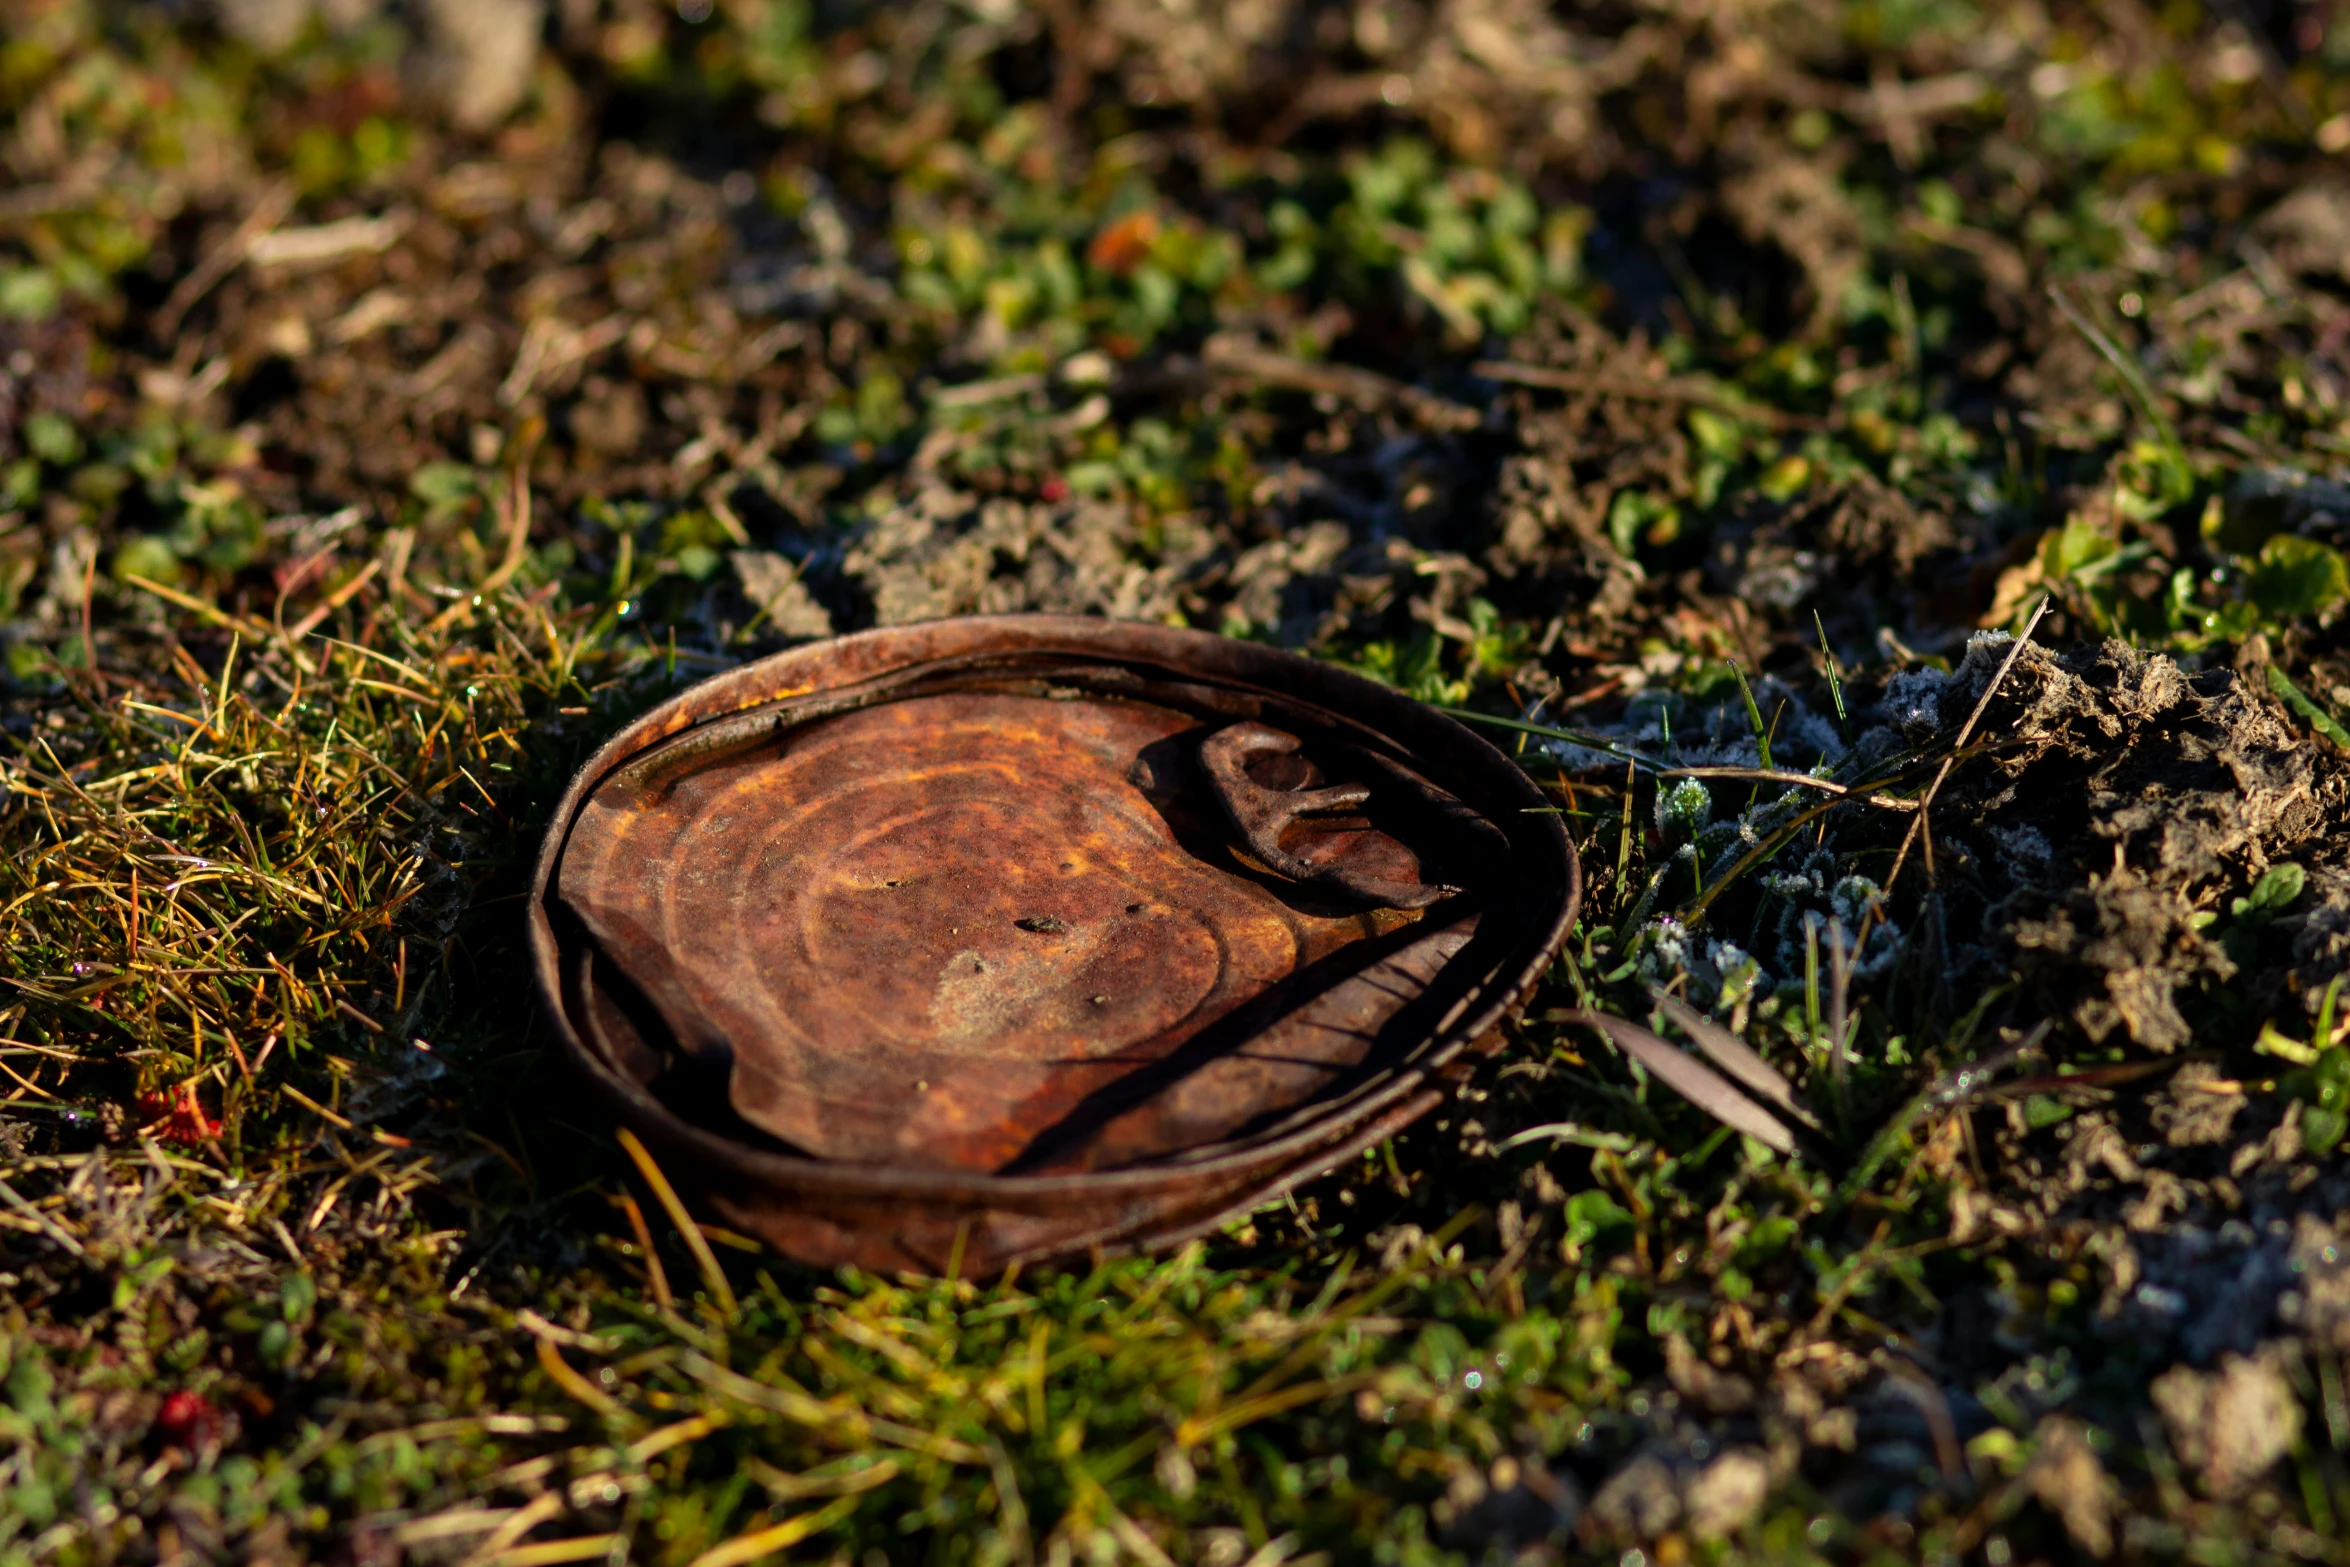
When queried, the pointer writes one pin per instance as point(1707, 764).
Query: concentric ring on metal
point(1012, 937)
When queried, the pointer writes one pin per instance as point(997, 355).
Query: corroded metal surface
point(1026, 935)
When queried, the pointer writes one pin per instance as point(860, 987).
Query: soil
point(1765, 473)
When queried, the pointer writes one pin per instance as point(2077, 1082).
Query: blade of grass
point(1762, 737)
point(1581, 737)
point(1689, 1077)
point(655, 1275)
point(1965, 732)
point(2133, 378)
point(1733, 1055)
point(757, 1543)
point(2296, 699)
point(560, 1371)
point(1811, 982)
point(1624, 832)
point(1952, 1087)
point(1835, 678)
point(1839, 1002)
point(671, 1204)
point(548, 1553)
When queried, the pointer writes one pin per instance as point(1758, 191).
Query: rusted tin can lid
point(997, 939)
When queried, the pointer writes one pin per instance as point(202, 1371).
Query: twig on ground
point(1733, 1055)
point(1662, 389)
point(1965, 733)
point(1780, 775)
point(1349, 382)
point(269, 209)
point(1689, 1077)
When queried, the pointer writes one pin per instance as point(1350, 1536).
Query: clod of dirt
point(2309, 231)
point(2228, 1425)
point(2199, 1107)
point(944, 552)
point(1865, 536)
point(610, 418)
point(2202, 1286)
point(774, 588)
point(1724, 1496)
point(1653, 1493)
point(1272, 583)
point(480, 56)
point(1638, 1502)
point(2320, 1306)
point(2067, 1479)
point(1552, 531)
point(1716, 1392)
point(2134, 795)
point(269, 26)
point(1517, 1505)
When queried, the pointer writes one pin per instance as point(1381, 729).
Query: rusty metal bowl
point(993, 940)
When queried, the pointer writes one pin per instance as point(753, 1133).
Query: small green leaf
point(28, 293)
point(1785, 479)
point(2276, 890)
point(1767, 1238)
point(29, 1385)
point(2322, 1128)
point(147, 555)
point(1717, 435)
point(1762, 735)
point(2079, 542)
point(52, 438)
point(2318, 718)
point(1589, 1212)
point(1633, 517)
point(2040, 1110)
point(441, 485)
point(2298, 576)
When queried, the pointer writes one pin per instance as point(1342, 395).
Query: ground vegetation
point(1883, 467)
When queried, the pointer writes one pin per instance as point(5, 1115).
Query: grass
point(318, 583)
point(321, 1275)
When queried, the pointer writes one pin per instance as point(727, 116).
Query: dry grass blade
point(776, 1537)
point(655, 1275)
point(1840, 958)
point(705, 1259)
point(1780, 775)
point(1772, 842)
point(1733, 1055)
point(549, 1553)
point(1367, 387)
point(1958, 1086)
point(1965, 733)
point(1689, 1077)
point(516, 1525)
point(1666, 389)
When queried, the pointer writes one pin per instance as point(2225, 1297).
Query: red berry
point(187, 1418)
point(1054, 489)
point(179, 1117)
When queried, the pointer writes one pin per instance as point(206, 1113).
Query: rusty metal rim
point(878, 653)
